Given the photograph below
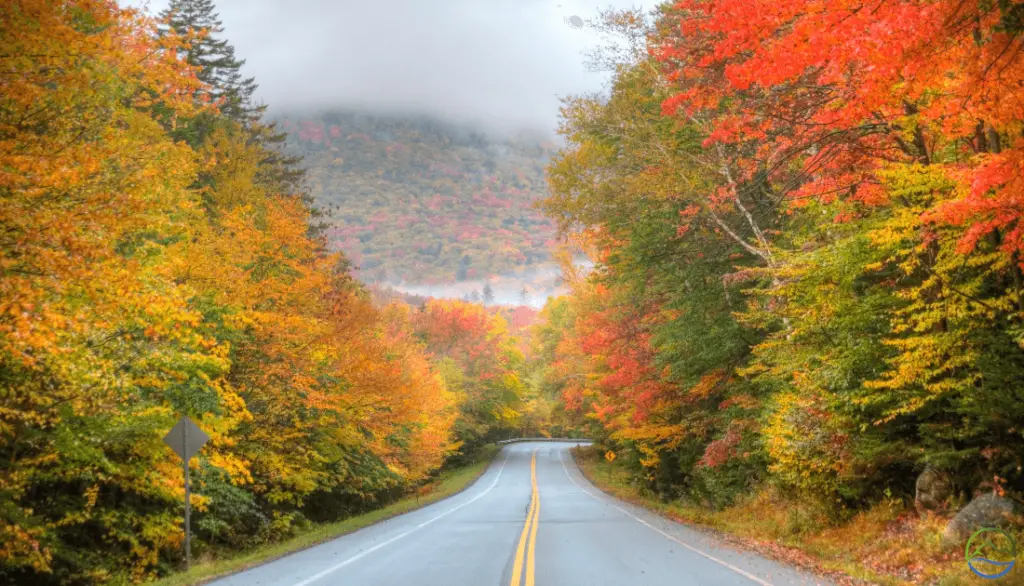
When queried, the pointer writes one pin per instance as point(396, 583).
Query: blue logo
point(991, 553)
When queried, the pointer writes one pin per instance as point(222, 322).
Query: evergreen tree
point(214, 58)
point(216, 64)
point(488, 294)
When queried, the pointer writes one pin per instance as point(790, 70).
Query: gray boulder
point(932, 491)
point(987, 510)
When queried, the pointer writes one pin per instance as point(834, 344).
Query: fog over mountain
point(498, 68)
point(502, 64)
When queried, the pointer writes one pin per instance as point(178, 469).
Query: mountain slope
point(418, 201)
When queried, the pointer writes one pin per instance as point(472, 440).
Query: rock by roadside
point(932, 491)
point(988, 510)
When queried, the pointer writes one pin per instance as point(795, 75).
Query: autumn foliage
point(415, 200)
point(805, 219)
point(145, 276)
point(480, 361)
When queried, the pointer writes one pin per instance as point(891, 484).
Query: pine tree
point(220, 70)
point(488, 294)
point(214, 58)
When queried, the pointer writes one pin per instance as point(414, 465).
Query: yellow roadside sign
point(609, 455)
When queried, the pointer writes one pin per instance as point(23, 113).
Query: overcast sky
point(504, 62)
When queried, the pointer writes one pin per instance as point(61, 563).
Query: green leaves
point(144, 278)
point(809, 309)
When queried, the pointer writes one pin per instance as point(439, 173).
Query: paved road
point(531, 519)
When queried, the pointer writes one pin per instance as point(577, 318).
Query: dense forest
point(806, 222)
point(417, 200)
point(160, 257)
point(803, 220)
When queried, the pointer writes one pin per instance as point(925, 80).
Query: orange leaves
point(823, 94)
point(129, 296)
point(709, 383)
point(75, 181)
point(466, 333)
point(392, 386)
point(309, 327)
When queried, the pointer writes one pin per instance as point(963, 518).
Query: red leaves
point(623, 357)
point(467, 334)
point(720, 451)
point(993, 202)
point(824, 92)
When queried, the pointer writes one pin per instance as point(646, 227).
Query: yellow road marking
point(536, 521)
point(529, 534)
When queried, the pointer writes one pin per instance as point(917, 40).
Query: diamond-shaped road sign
point(186, 438)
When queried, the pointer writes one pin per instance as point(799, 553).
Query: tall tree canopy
point(147, 274)
point(806, 233)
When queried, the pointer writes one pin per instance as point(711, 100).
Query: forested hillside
point(806, 218)
point(416, 200)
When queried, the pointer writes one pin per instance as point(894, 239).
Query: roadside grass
point(889, 544)
point(447, 484)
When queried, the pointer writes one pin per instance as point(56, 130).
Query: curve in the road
point(496, 534)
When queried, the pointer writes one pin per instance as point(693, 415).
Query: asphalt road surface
point(531, 519)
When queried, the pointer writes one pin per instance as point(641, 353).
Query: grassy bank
point(889, 544)
point(447, 484)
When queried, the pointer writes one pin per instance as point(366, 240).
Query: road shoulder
point(597, 475)
point(449, 484)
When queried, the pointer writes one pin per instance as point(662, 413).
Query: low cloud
point(503, 63)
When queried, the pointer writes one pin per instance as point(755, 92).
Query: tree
point(805, 246)
point(98, 348)
point(213, 59)
point(162, 278)
point(488, 294)
point(480, 362)
point(222, 85)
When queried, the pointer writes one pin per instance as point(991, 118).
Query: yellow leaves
point(707, 385)
point(21, 547)
point(128, 296)
point(917, 184)
point(80, 515)
point(232, 164)
point(806, 442)
point(306, 329)
point(77, 182)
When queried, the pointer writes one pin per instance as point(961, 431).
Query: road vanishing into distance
point(532, 519)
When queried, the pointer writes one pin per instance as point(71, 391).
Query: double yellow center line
point(528, 539)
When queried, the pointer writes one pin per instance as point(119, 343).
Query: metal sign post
point(610, 456)
point(185, 438)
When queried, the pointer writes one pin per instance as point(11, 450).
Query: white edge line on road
point(370, 550)
point(739, 571)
